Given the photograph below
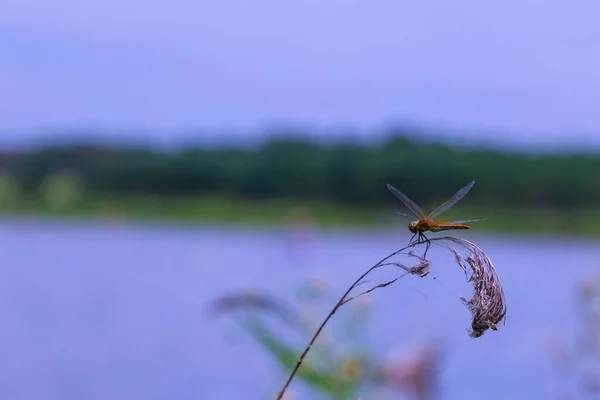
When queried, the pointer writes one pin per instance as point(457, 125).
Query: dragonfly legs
point(421, 238)
point(427, 244)
point(412, 239)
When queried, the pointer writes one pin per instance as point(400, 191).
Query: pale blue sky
point(531, 67)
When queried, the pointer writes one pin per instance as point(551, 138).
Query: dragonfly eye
point(412, 226)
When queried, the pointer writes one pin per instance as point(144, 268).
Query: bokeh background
point(171, 173)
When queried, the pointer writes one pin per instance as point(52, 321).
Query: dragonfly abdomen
point(439, 227)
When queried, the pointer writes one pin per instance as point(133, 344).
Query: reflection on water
point(94, 311)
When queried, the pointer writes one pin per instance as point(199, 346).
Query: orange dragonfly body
point(427, 223)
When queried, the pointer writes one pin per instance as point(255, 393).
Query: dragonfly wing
point(411, 205)
point(465, 221)
point(451, 201)
point(403, 215)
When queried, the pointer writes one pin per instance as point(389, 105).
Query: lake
point(106, 310)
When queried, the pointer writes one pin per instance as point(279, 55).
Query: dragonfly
point(427, 223)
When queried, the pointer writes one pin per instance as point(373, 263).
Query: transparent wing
point(411, 205)
point(404, 215)
point(465, 221)
point(451, 201)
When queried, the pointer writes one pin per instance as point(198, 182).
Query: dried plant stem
point(381, 285)
point(343, 300)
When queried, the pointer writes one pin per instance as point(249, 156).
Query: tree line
point(301, 169)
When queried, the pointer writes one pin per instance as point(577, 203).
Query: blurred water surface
point(109, 311)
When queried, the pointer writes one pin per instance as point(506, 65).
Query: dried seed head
point(421, 268)
point(487, 305)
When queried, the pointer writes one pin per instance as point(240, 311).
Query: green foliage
point(338, 367)
point(61, 189)
point(9, 190)
point(302, 170)
point(320, 379)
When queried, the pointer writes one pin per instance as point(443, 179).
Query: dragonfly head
point(413, 226)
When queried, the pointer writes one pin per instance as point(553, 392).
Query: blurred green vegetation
point(340, 364)
point(342, 183)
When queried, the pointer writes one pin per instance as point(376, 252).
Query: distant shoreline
point(225, 211)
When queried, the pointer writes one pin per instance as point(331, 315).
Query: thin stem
point(340, 303)
point(381, 285)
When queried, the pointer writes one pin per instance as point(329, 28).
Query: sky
point(522, 72)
